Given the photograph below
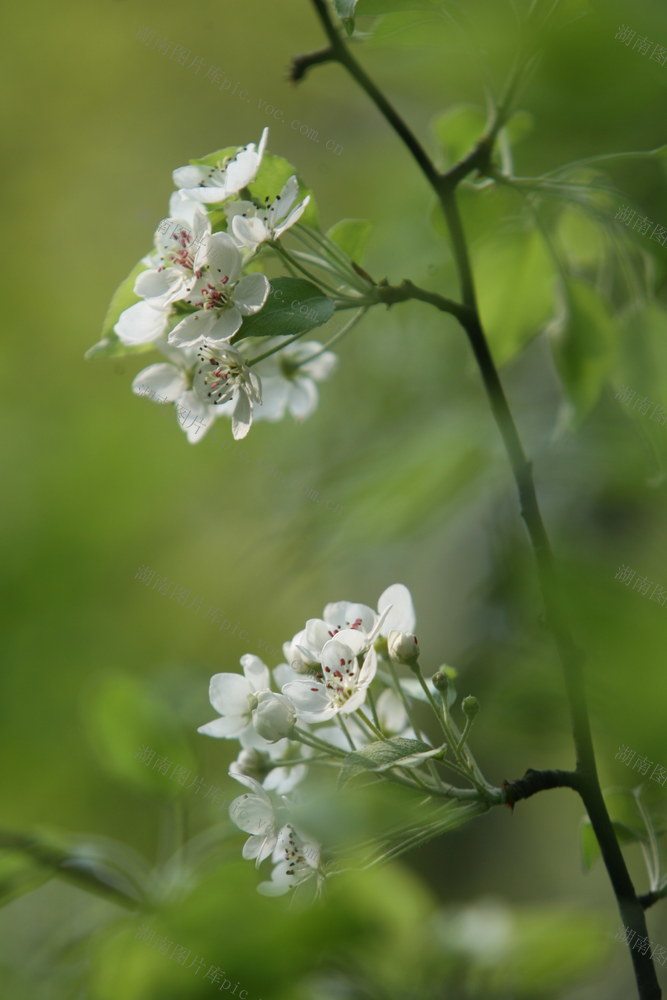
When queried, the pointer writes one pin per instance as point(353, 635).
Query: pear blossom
point(296, 860)
point(253, 226)
point(223, 376)
point(235, 697)
point(214, 184)
point(258, 762)
point(176, 242)
point(341, 683)
point(220, 295)
point(171, 382)
point(289, 379)
point(254, 814)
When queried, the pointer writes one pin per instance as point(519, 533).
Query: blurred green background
point(99, 483)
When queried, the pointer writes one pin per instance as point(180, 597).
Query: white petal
point(249, 231)
point(192, 329)
point(292, 218)
point(355, 641)
point(275, 390)
point(256, 672)
point(190, 176)
point(226, 728)
point(223, 258)
point(344, 614)
point(252, 814)
point(302, 400)
point(229, 694)
point(224, 325)
point(141, 324)
point(194, 416)
point(242, 416)
point(310, 699)
point(162, 380)
point(160, 286)
point(391, 712)
point(251, 293)
point(402, 615)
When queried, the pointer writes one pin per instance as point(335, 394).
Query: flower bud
point(403, 647)
point(470, 706)
point(440, 681)
point(274, 716)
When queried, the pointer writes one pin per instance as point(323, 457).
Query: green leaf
point(458, 129)
point(124, 718)
point(383, 754)
point(293, 306)
point(590, 848)
point(110, 345)
point(345, 11)
point(392, 6)
point(516, 298)
point(351, 235)
point(583, 338)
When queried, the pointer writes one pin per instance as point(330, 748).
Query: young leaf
point(590, 849)
point(583, 338)
point(293, 306)
point(351, 235)
point(383, 754)
point(458, 129)
point(516, 297)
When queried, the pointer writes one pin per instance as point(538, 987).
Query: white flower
point(214, 184)
point(401, 614)
point(289, 379)
point(222, 376)
point(177, 242)
point(306, 646)
point(252, 226)
point(220, 296)
point(254, 814)
point(171, 382)
point(274, 717)
point(341, 683)
point(235, 697)
point(296, 860)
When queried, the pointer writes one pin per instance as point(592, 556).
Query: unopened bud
point(440, 681)
point(470, 706)
point(403, 647)
point(274, 717)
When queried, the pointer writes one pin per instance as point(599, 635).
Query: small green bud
point(440, 681)
point(470, 706)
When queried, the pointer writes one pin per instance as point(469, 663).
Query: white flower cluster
point(200, 284)
point(309, 708)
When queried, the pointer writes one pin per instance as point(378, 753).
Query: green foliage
point(125, 716)
point(584, 337)
point(383, 754)
point(352, 236)
point(293, 306)
point(515, 277)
